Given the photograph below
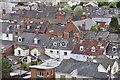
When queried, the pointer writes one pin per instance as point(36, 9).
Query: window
point(35, 41)
point(19, 52)
point(24, 60)
point(47, 73)
point(51, 51)
point(114, 48)
point(35, 54)
point(65, 53)
point(74, 78)
point(7, 35)
point(20, 39)
point(62, 77)
point(41, 73)
point(81, 48)
point(55, 44)
point(93, 49)
point(63, 44)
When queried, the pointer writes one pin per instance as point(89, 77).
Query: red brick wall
point(33, 73)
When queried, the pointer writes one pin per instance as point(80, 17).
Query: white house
point(36, 52)
point(21, 51)
point(7, 36)
point(7, 31)
point(59, 48)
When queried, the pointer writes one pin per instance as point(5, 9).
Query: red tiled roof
point(88, 44)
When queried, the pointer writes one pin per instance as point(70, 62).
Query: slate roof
point(70, 43)
point(43, 40)
point(88, 23)
point(83, 68)
point(27, 38)
point(44, 57)
point(89, 34)
point(56, 28)
point(5, 26)
point(76, 17)
point(110, 52)
point(33, 14)
point(102, 34)
point(113, 37)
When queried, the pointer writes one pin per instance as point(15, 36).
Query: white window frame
point(81, 48)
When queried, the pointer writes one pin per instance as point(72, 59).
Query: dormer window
point(64, 43)
point(55, 44)
point(114, 48)
point(18, 26)
point(31, 22)
point(29, 26)
point(35, 41)
point(41, 22)
point(81, 48)
point(93, 49)
point(8, 28)
point(20, 39)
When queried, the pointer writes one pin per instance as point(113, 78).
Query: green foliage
point(25, 66)
point(67, 9)
point(95, 27)
point(6, 66)
point(118, 4)
point(114, 26)
point(78, 9)
point(21, 3)
point(113, 5)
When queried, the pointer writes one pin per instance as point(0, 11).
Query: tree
point(114, 22)
point(21, 3)
point(95, 27)
point(67, 9)
point(6, 66)
point(78, 9)
point(114, 26)
point(113, 5)
point(118, 4)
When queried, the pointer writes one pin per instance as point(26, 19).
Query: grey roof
point(5, 17)
point(43, 57)
point(27, 38)
point(88, 69)
point(104, 61)
point(69, 43)
point(8, 43)
point(43, 40)
point(88, 23)
point(110, 52)
point(33, 14)
point(56, 28)
point(51, 18)
point(6, 27)
point(102, 34)
point(76, 17)
point(89, 34)
point(94, 35)
point(113, 37)
point(15, 16)
point(24, 47)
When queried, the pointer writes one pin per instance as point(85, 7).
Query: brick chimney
point(30, 7)
point(83, 26)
